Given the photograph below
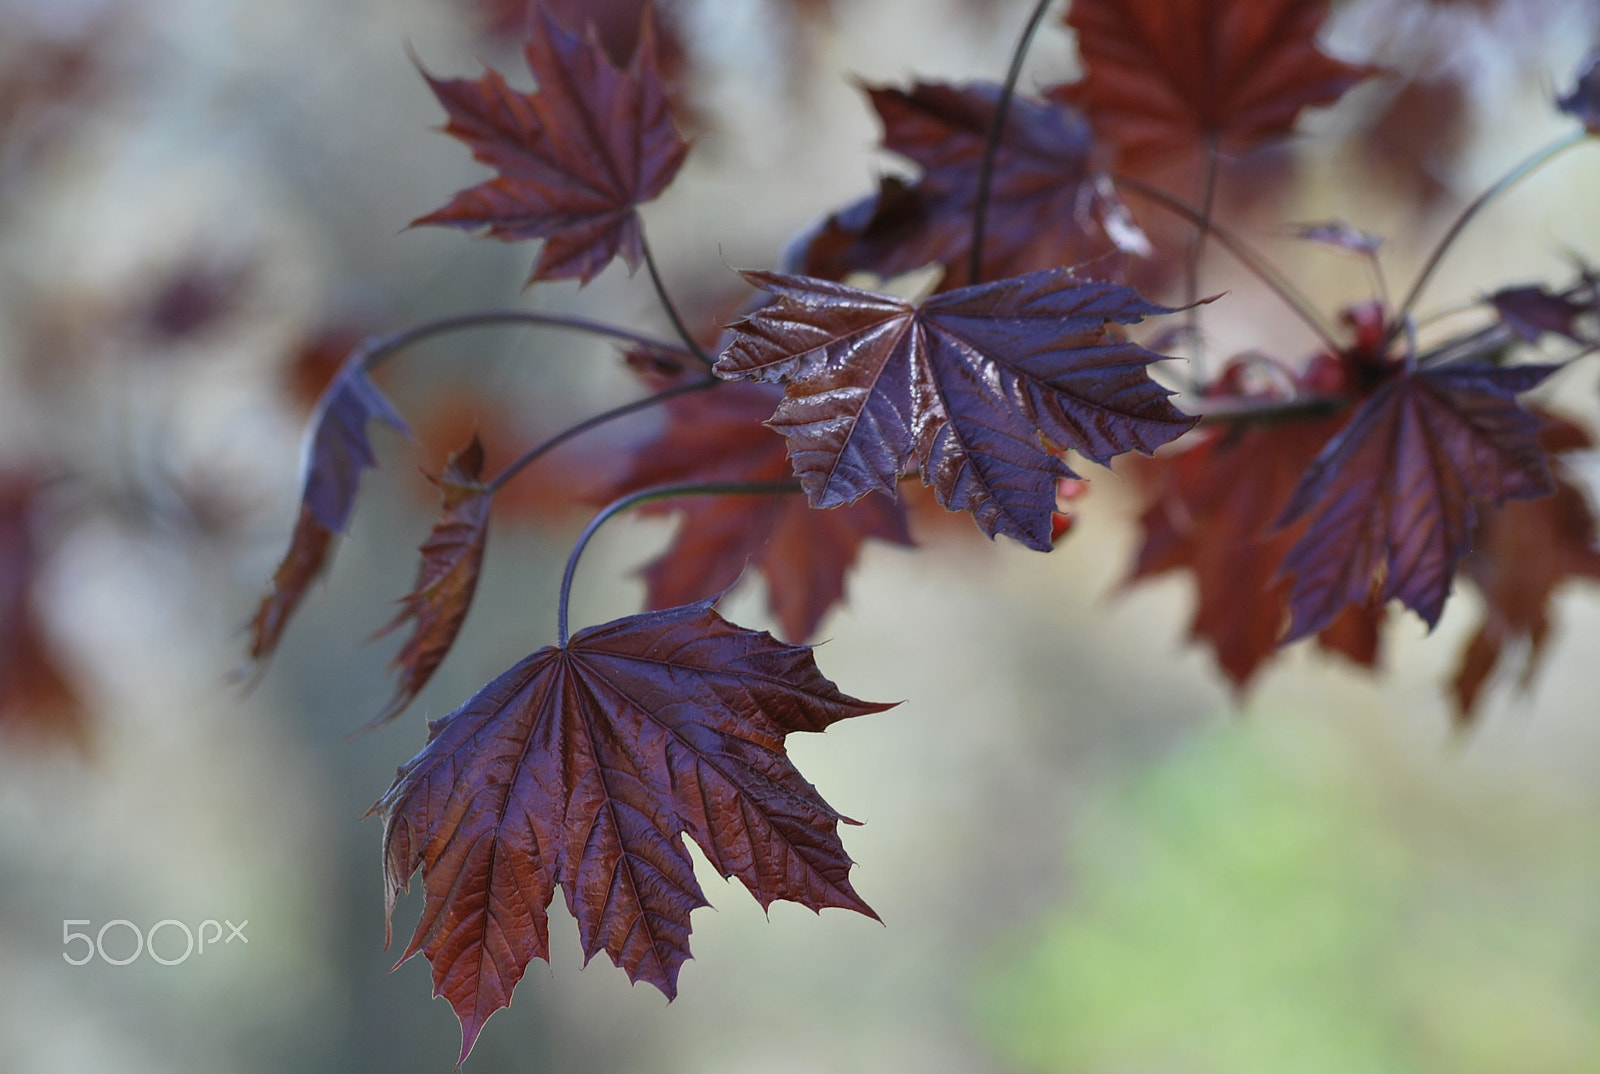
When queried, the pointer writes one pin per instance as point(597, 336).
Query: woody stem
point(376, 349)
point(991, 147)
point(1520, 171)
point(633, 407)
point(667, 304)
point(1258, 265)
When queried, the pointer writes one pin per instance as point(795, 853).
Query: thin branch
point(633, 407)
point(666, 304)
point(375, 349)
point(634, 499)
point(1197, 248)
point(1263, 269)
point(1521, 171)
point(991, 147)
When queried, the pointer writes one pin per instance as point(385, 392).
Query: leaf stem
point(666, 304)
point(634, 499)
point(991, 146)
point(1197, 248)
point(376, 349)
point(1520, 171)
point(636, 405)
point(1263, 269)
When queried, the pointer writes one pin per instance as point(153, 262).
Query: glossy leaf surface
point(583, 766)
point(979, 388)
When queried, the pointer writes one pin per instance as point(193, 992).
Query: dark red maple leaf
point(1520, 556)
point(447, 577)
point(803, 553)
point(1048, 205)
point(575, 158)
point(337, 450)
point(1583, 102)
point(1164, 79)
point(976, 387)
point(583, 766)
point(1212, 512)
point(37, 699)
point(1392, 500)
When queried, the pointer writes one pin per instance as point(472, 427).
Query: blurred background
point(1088, 854)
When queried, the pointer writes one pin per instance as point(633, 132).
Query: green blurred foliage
point(1272, 898)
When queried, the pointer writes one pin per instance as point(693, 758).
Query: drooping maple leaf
point(1212, 512)
point(575, 157)
point(1532, 310)
point(447, 577)
point(976, 387)
point(337, 450)
point(1048, 205)
point(37, 699)
point(803, 553)
point(1393, 499)
point(583, 766)
point(1164, 79)
point(1520, 556)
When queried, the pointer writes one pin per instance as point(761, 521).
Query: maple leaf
point(1212, 512)
point(1164, 79)
point(804, 554)
point(337, 450)
point(1520, 555)
point(1531, 311)
point(583, 766)
point(447, 577)
point(976, 386)
point(1391, 499)
point(1583, 102)
point(575, 158)
point(1048, 205)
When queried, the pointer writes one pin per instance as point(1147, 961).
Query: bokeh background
point(1089, 855)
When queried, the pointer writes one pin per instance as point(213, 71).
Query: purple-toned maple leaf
point(583, 766)
point(1048, 205)
point(447, 577)
point(575, 157)
point(1392, 500)
point(980, 388)
point(803, 554)
point(337, 450)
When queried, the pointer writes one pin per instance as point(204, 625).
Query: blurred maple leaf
point(1583, 103)
point(337, 450)
point(1049, 205)
point(1520, 555)
point(575, 157)
point(975, 386)
point(1213, 510)
point(803, 553)
point(37, 699)
point(582, 766)
point(1165, 79)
